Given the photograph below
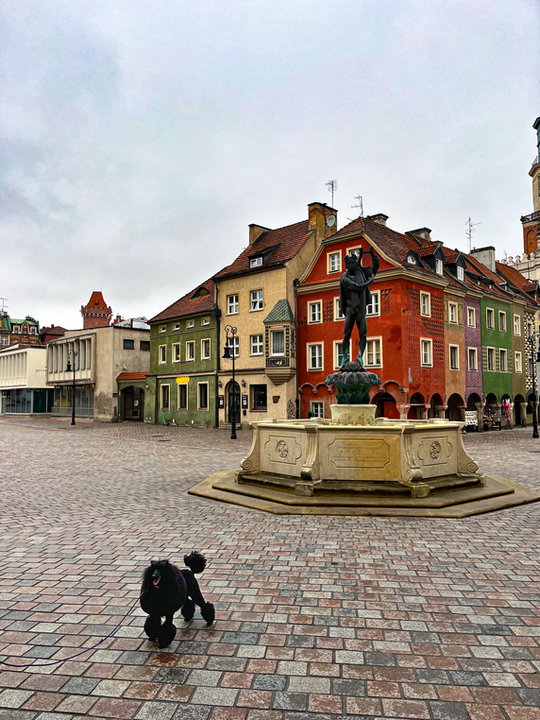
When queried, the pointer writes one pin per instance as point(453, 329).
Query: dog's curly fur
point(165, 590)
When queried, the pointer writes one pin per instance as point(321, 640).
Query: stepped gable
point(199, 300)
point(278, 246)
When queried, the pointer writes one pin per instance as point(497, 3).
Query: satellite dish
point(330, 221)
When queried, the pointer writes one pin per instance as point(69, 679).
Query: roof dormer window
point(460, 273)
point(256, 261)
point(411, 259)
point(439, 267)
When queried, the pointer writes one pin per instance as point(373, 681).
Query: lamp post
point(535, 358)
point(230, 332)
point(71, 367)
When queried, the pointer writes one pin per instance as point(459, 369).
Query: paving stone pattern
point(318, 618)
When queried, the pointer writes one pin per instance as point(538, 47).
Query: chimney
point(322, 219)
point(424, 233)
point(255, 232)
point(379, 218)
point(486, 256)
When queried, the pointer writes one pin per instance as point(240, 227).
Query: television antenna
point(470, 230)
point(359, 205)
point(332, 187)
point(3, 305)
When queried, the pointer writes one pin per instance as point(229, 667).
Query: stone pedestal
point(353, 414)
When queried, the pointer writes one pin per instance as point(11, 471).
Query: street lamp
point(230, 332)
point(71, 366)
point(534, 361)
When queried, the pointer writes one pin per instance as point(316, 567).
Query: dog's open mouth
point(155, 582)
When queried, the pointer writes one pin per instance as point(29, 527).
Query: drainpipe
point(218, 362)
point(295, 289)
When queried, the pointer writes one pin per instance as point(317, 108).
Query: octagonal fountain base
point(378, 467)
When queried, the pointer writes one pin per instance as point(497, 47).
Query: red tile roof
point(133, 376)
point(281, 245)
point(199, 300)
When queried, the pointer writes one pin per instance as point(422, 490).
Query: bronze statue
point(354, 299)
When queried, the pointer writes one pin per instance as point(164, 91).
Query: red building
point(405, 321)
point(96, 313)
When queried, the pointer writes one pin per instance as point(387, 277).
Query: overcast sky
point(139, 138)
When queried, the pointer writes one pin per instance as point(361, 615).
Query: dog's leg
point(152, 626)
point(194, 591)
point(167, 632)
point(188, 610)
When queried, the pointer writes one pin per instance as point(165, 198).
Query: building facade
point(23, 388)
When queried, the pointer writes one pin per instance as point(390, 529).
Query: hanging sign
point(221, 401)
point(182, 380)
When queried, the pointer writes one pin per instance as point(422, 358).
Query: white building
point(23, 388)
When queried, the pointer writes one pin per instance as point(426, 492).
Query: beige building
point(23, 388)
point(94, 359)
point(256, 297)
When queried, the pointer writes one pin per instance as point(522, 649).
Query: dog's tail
point(195, 561)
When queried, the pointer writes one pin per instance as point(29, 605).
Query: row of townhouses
point(451, 334)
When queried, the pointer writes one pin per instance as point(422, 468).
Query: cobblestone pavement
point(318, 617)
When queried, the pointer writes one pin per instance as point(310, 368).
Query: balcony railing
point(531, 217)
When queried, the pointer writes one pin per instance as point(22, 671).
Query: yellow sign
point(182, 380)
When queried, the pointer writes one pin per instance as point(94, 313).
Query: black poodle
point(165, 590)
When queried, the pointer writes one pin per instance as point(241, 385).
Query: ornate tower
point(531, 223)
point(96, 313)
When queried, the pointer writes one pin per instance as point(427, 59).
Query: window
point(439, 267)
point(256, 344)
point(145, 345)
point(471, 317)
point(454, 357)
point(426, 352)
point(277, 342)
point(317, 409)
point(373, 352)
point(354, 251)
point(337, 310)
point(334, 262)
point(315, 356)
point(503, 360)
point(205, 349)
point(502, 321)
point(472, 355)
point(518, 365)
point(232, 304)
point(460, 273)
point(176, 352)
point(190, 323)
point(259, 400)
point(190, 350)
point(314, 312)
point(165, 397)
point(202, 396)
point(374, 306)
point(490, 318)
point(255, 262)
point(182, 396)
point(256, 300)
point(411, 259)
point(16, 330)
point(162, 328)
point(205, 320)
point(177, 326)
point(425, 304)
point(128, 344)
point(517, 325)
point(490, 359)
point(338, 354)
point(162, 354)
point(32, 331)
point(452, 312)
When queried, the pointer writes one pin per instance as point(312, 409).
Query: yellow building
point(256, 297)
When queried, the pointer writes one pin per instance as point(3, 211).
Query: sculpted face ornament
point(282, 449)
point(435, 450)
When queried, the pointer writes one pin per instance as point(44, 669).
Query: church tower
point(96, 313)
point(531, 223)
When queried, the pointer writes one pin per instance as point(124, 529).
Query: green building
point(183, 361)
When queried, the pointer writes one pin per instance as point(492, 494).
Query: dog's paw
point(166, 635)
point(188, 610)
point(209, 613)
point(152, 627)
